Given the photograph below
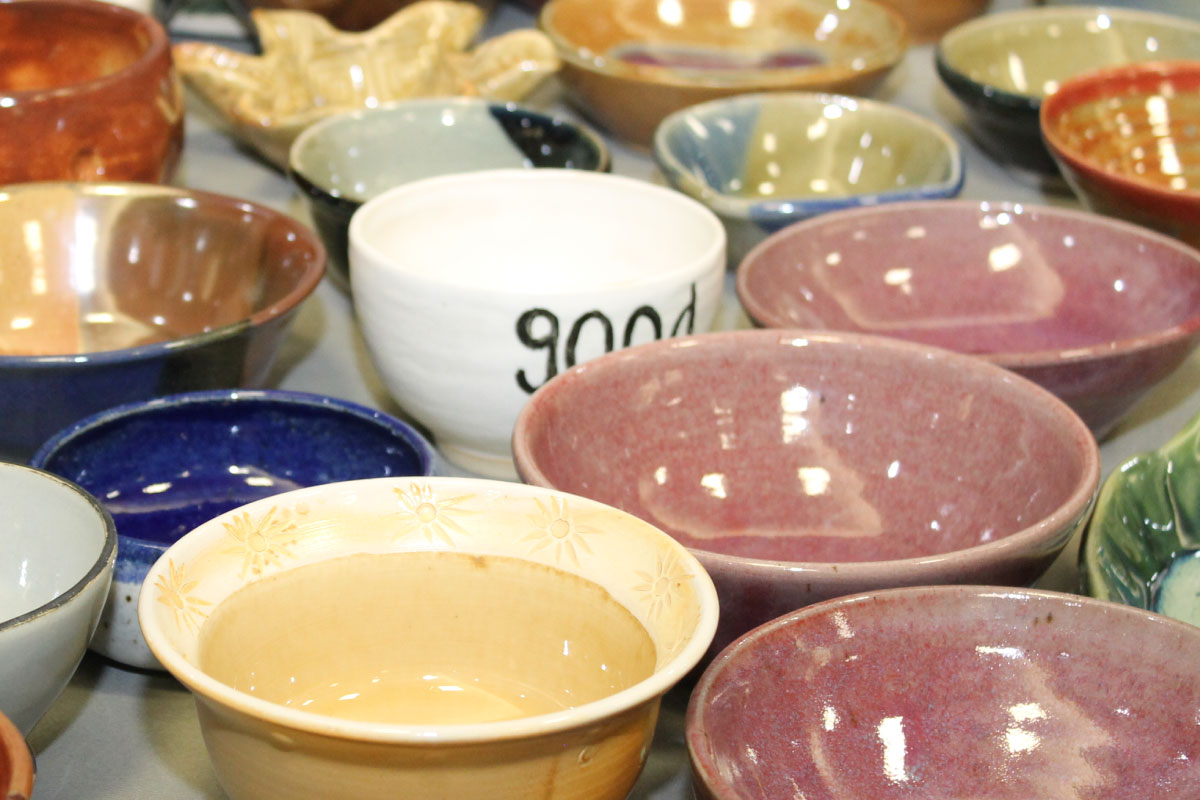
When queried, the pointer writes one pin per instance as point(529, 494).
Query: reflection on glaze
point(704, 59)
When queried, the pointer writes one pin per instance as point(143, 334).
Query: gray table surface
point(116, 734)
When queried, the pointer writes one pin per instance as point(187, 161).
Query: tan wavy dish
point(309, 69)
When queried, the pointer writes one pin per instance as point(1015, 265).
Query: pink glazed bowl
point(801, 466)
point(952, 692)
point(1096, 310)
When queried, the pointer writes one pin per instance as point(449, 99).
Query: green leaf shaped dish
point(1142, 545)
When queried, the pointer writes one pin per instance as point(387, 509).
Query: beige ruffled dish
point(309, 69)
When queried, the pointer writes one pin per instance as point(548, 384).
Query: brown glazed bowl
point(16, 763)
point(88, 92)
point(115, 292)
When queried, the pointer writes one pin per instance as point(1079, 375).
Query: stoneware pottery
point(627, 64)
point(121, 292)
point(88, 92)
point(1142, 542)
point(57, 546)
point(800, 466)
point(1094, 309)
point(309, 70)
point(346, 15)
point(951, 692)
point(16, 763)
point(427, 638)
point(765, 161)
point(928, 20)
point(1127, 140)
point(1002, 66)
point(162, 467)
point(342, 161)
point(473, 290)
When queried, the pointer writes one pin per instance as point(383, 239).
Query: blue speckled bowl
point(164, 466)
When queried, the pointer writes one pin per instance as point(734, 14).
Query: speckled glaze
point(341, 162)
point(952, 692)
point(800, 466)
point(16, 763)
point(765, 161)
point(627, 64)
point(131, 291)
point(165, 466)
point(1127, 140)
point(88, 92)
point(1095, 310)
point(1002, 66)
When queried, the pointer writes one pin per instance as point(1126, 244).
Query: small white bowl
point(473, 290)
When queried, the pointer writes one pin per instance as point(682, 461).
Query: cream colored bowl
point(427, 638)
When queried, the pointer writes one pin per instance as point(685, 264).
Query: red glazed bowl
point(1127, 140)
point(16, 763)
point(952, 692)
point(800, 466)
point(88, 91)
point(1093, 309)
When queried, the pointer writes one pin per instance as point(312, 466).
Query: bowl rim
point(283, 306)
point(15, 751)
point(319, 190)
point(1008, 359)
point(103, 562)
point(1033, 536)
point(780, 209)
point(887, 54)
point(647, 690)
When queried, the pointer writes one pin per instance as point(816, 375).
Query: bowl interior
point(1012, 282)
point(91, 268)
point(940, 692)
point(788, 446)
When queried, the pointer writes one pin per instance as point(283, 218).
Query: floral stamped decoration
point(175, 592)
point(437, 518)
point(564, 531)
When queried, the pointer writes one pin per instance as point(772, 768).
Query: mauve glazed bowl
point(800, 466)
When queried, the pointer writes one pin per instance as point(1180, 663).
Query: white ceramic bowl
point(57, 546)
point(473, 290)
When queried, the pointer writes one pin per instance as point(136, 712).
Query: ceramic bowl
point(929, 20)
point(1095, 310)
point(1002, 66)
point(342, 161)
point(1141, 545)
point(629, 63)
point(57, 546)
point(117, 292)
point(16, 762)
point(161, 467)
point(473, 290)
point(309, 70)
point(800, 466)
point(765, 161)
point(951, 692)
point(530, 638)
point(88, 92)
point(1126, 140)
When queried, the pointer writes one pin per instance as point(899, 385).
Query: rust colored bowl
point(88, 91)
point(16, 763)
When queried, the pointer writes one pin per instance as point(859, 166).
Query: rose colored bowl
point(800, 466)
point(1127, 140)
point(1093, 309)
point(88, 91)
point(952, 692)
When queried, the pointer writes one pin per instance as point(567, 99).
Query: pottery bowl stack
point(800, 466)
point(342, 161)
point(530, 636)
point(116, 292)
point(951, 692)
point(1096, 310)
point(88, 92)
point(627, 64)
point(162, 467)
point(57, 547)
point(765, 161)
point(473, 290)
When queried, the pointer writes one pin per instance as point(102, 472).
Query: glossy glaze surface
point(769, 160)
point(927, 20)
point(630, 63)
point(952, 692)
point(88, 91)
point(16, 762)
point(342, 161)
point(585, 555)
point(810, 465)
